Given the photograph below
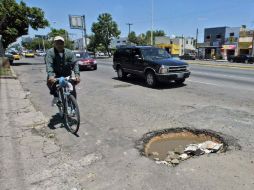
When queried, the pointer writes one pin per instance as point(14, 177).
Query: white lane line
point(221, 86)
point(215, 74)
point(204, 83)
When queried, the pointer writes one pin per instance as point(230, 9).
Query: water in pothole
point(159, 146)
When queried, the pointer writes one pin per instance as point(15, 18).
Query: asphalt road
point(115, 114)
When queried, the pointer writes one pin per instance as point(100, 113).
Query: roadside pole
point(252, 44)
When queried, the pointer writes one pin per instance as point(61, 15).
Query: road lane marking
point(229, 76)
point(222, 86)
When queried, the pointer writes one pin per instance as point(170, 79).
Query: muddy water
point(176, 142)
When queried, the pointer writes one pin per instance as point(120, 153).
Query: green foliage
point(37, 43)
point(15, 19)
point(104, 30)
point(61, 32)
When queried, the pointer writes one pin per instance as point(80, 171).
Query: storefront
point(173, 49)
point(228, 50)
point(244, 48)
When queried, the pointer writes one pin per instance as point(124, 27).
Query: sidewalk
point(223, 63)
point(29, 156)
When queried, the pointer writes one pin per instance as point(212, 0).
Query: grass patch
point(5, 72)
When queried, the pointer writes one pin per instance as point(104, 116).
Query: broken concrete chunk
point(191, 148)
point(171, 153)
point(217, 147)
point(155, 153)
point(175, 161)
point(184, 156)
point(156, 159)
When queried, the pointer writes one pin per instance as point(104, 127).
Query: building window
point(124, 41)
point(218, 36)
point(118, 42)
point(171, 42)
point(208, 37)
point(232, 34)
point(186, 41)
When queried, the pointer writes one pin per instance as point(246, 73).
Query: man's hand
point(77, 79)
point(51, 80)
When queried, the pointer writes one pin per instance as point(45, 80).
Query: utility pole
point(152, 25)
point(196, 45)
point(84, 27)
point(196, 39)
point(129, 24)
point(252, 44)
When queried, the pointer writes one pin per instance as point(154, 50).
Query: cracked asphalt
point(114, 116)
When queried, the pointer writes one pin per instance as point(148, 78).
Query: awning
point(229, 47)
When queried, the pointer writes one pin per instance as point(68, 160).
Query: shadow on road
point(141, 82)
point(23, 63)
point(56, 122)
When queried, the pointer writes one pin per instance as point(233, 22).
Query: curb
point(223, 65)
point(13, 75)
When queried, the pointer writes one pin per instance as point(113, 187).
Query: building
point(176, 46)
point(245, 42)
point(117, 42)
point(231, 42)
point(79, 44)
point(214, 39)
point(220, 42)
point(167, 44)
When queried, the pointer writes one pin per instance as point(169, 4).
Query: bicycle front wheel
point(72, 116)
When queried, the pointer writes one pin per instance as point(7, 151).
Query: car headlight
point(94, 61)
point(163, 69)
point(188, 67)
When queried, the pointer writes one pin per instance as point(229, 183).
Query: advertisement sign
point(76, 22)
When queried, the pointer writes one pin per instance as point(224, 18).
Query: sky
point(175, 17)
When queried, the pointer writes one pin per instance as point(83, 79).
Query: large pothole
point(172, 146)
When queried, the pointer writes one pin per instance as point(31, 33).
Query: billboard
point(76, 22)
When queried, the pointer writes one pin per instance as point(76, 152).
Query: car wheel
point(95, 67)
point(180, 81)
point(150, 79)
point(120, 73)
point(246, 61)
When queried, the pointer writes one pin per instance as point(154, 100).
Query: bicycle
point(67, 104)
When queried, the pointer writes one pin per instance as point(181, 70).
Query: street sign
point(76, 22)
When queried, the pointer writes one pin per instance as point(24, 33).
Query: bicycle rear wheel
point(72, 115)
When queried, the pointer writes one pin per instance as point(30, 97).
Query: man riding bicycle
point(60, 62)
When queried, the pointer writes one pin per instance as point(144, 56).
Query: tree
point(104, 30)
point(37, 43)
point(156, 33)
point(15, 19)
point(62, 32)
point(132, 38)
point(93, 44)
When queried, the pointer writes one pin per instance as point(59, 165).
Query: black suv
point(154, 64)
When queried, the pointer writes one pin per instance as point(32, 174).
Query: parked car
point(188, 56)
point(153, 64)
point(85, 61)
point(10, 57)
point(40, 53)
point(241, 59)
point(16, 56)
point(29, 53)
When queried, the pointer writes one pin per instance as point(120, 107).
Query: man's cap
point(59, 38)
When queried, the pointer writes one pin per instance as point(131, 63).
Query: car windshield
point(155, 53)
point(82, 55)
